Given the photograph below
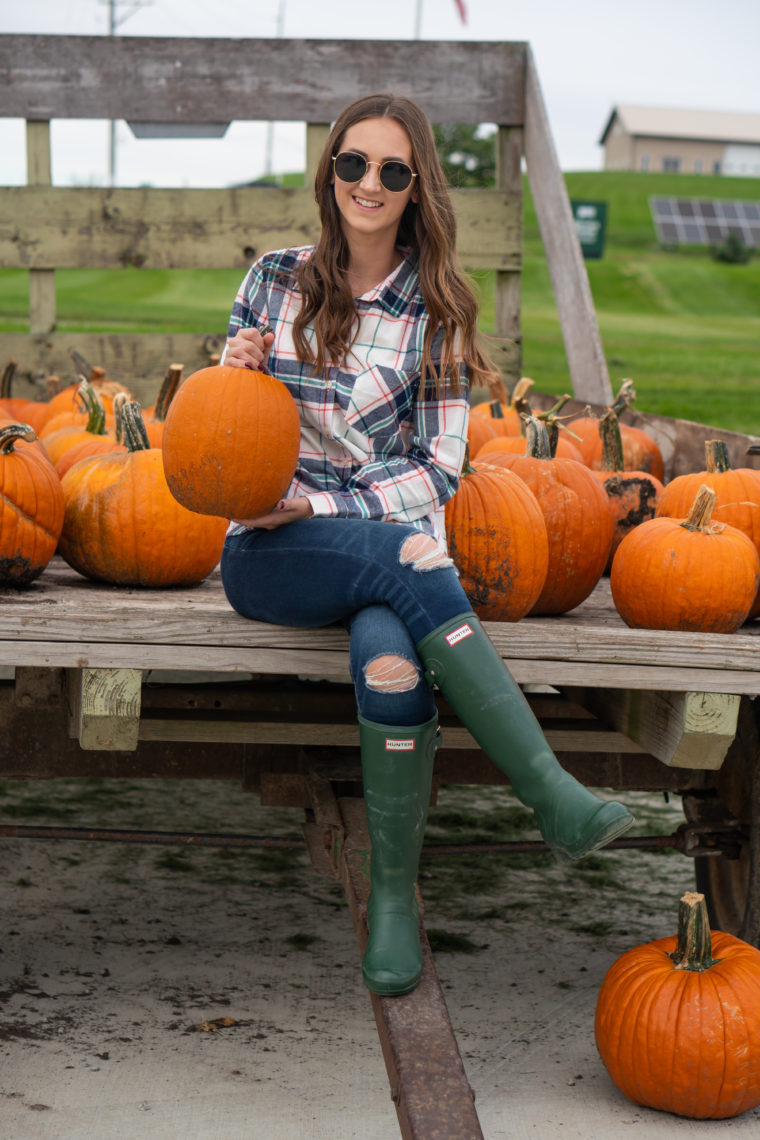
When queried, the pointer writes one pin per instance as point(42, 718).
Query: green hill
point(685, 326)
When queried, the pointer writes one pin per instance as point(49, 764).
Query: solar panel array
point(705, 221)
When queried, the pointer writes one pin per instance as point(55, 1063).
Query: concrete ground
point(160, 993)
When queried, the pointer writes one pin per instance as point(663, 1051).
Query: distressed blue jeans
point(388, 584)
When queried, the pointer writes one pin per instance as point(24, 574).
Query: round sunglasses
point(394, 175)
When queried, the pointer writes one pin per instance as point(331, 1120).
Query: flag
point(461, 10)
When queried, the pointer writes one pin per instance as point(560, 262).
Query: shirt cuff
point(323, 505)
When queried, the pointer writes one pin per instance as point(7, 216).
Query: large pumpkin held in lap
point(231, 442)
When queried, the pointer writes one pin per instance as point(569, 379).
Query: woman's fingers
point(248, 349)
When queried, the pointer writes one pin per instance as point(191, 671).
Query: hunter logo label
point(395, 745)
point(458, 634)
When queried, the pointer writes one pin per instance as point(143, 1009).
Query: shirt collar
point(398, 289)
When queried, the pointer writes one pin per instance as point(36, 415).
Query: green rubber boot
point(397, 768)
point(460, 658)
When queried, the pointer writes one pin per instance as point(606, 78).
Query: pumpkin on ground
point(737, 492)
point(231, 442)
point(31, 507)
point(497, 539)
point(633, 495)
point(686, 574)
point(122, 524)
point(677, 1020)
point(577, 515)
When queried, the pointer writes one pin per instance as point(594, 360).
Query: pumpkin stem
point(168, 391)
point(700, 513)
point(82, 365)
point(537, 443)
point(135, 435)
point(693, 941)
point(498, 390)
point(521, 390)
point(624, 398)
point(119, 400)
point(496, 410)
point(11, 432)
point(93, 405)
point(716, 456)
point(53, 386)
point(6, 383)
point(612, 442)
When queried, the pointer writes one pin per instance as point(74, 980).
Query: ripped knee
point(422, 552)
point(391, 674)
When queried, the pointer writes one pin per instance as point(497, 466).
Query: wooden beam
point(61, 227)
point(104, 707)
point(682, 729)
point(572, 293)
point(42, 312)
point(153, 79)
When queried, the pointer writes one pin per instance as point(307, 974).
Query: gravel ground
point(158, 993)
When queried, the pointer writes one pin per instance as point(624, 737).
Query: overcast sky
point(590, 55)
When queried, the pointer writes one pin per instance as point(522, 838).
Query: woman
point(373, 332)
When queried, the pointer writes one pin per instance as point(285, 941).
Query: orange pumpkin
point(577, 515)
point(31, 507)
point(506, 411)
point(155, 418)
point(497, 539)
point(122, 524)
point(57, 443)
point(633, 495)
point(640, 451)
point(66, 400)
point(737, 492)
point(231, 442)
point(17, 408)
point(691, 574)
point(677, 1021)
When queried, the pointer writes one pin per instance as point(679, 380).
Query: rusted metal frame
point(324, 839)
point(428, 1083)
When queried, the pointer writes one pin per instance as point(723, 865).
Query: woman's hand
point(248, 349)
point(286, 511)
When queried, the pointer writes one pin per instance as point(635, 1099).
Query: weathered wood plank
point(42, 299)
point(337, 735)
point(683, 730)
point(104, 708)
point(60, 227)
point(140, 360)
point(215, 80)
point(572, 293)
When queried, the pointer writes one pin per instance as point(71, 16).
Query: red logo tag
point(459, 634)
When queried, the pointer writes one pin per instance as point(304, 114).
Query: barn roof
point(682, 123)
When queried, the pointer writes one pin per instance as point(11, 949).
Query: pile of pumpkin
point(545, 508)
point(132, 496)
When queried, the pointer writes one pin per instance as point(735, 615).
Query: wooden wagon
point(272, 707)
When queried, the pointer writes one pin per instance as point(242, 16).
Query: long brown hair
point(427, 226)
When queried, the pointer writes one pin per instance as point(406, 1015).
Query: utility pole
point(269, 148)
point(114, 22)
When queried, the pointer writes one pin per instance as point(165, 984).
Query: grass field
point(684, 326)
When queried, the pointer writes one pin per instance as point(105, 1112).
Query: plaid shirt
point(373, 445)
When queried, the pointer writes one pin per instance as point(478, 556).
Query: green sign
point(591, 225)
